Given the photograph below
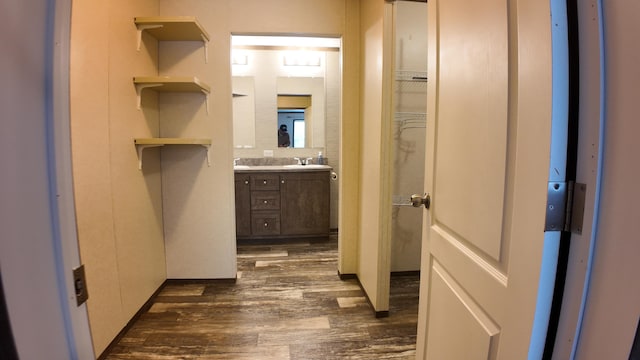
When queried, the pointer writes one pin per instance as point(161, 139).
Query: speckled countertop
point(281, 168)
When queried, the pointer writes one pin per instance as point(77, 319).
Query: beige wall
point(199, 210)
point(119, 211)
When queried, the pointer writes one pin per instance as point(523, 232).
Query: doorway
point(292, 83)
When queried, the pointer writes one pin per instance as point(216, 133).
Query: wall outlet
point(80, 284)
point(268, 153)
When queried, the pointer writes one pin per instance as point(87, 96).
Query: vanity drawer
point(265, 182)
point(265, 200)
point(265, 223)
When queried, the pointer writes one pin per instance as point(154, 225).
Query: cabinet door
point(243, 205)
point(304, 203)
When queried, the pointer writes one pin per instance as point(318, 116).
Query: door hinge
point(80, 285)
point(565, 206)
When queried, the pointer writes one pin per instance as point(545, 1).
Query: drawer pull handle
point(265, 201)
point(246, 182)
point(264, 182)
point(266, 224)
point(282, 181)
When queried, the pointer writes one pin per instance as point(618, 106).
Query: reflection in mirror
point(244, 113)
point(284, 140)
point(307, 95)
point(295, 112)
point(291, 119)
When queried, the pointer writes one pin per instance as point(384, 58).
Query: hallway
point(287, 303)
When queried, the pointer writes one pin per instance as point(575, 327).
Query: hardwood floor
point(287, 303)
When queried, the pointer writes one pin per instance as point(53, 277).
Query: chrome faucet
point(303, 161)
point(235, 161)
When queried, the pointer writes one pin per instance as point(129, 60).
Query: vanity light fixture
point(301, 58)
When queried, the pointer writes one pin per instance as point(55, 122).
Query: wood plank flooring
point(287, 303)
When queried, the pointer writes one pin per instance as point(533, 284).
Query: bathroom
point(264, 70)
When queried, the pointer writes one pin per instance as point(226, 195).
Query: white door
point(489, 120)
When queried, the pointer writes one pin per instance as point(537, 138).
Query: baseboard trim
point(273, 240)
point(347, 276)
point(377, 314)
point(405, 273)
point(199, 281)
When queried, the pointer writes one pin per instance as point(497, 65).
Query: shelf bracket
point(141, 28)
point(206, 100)
point(206, 48)
point(207, 148)
point(139, 149)
point(139, 88)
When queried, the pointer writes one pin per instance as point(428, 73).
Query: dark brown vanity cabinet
point(282, 204)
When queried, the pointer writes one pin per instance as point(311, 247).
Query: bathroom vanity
point(282, 201)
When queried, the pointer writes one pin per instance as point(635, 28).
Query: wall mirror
point(281, 80)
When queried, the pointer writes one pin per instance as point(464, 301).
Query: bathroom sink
point(310, 166)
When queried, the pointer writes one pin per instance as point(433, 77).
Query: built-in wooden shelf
point(171, 84)
point(173, 28)
point(143, 143)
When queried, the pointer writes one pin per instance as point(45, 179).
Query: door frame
point(61, 175)
point(51, 281)
point(597, 255)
